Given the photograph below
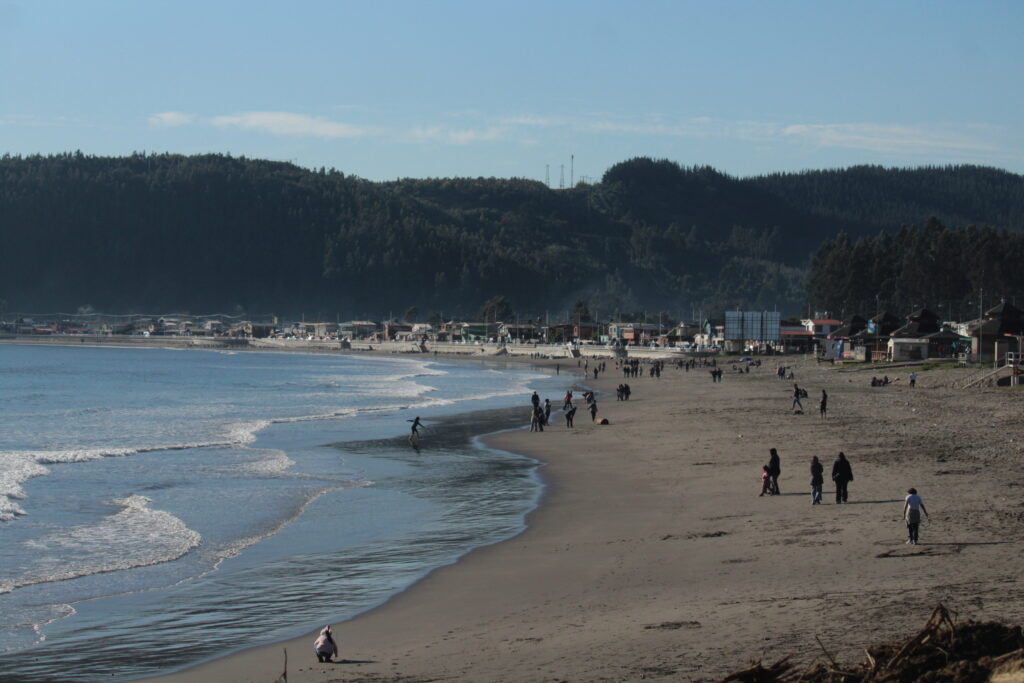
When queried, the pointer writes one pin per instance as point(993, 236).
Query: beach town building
point(837, 345)
point(910, 342)
point(792, 339)
point(520, 333)
point(634, 334)
point(821, 327)
point(423, 331)
point(685, 331)
point(357, 329)
point(996, 332)
point(712, 334)
point(874, 338)
point(395, 331)
point(469, 332)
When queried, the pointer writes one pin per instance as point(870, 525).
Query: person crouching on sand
point(325, 647)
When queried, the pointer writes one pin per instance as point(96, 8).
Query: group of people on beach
point(540, 415)
point(631, 368)
point(842, 475)
point(800, 393)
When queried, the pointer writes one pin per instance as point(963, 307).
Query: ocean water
point(160, 507)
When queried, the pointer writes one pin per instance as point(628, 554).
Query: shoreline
point(458, 427)
point(651, 555)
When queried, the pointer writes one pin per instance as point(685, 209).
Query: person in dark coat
point(774, 470)
point(817, 480)
point(842, 475)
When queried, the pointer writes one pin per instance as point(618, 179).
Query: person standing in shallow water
point(414, 435)
point(817, 480)
point(842, 475)
point(913, 506)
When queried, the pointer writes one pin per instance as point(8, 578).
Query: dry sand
point(652, 555)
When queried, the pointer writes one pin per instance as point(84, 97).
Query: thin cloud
point(886, 138)
point(451, 136)
point(42, 121)
point(170, 119)
point(287, 123)
point(883, 138)
point(531, 120)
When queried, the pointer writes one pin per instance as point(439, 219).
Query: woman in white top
point(913, 506)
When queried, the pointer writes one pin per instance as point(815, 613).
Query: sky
point(555, 91)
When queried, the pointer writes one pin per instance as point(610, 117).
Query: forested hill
point(873, 198)
point(151, 233)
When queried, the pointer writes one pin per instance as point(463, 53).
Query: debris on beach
point(942, 652)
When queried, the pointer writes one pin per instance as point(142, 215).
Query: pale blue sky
point(388, 89)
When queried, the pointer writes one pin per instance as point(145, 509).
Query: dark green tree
point(496, 309)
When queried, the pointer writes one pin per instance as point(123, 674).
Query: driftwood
point(757, 673)
point(942, 650)
point(283, 678)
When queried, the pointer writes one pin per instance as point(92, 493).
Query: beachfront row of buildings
point(920, 335)
point(630, 333)
point(884, 337)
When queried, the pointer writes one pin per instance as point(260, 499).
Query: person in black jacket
point(817, 479)
point(774, 470)
point(842, 474)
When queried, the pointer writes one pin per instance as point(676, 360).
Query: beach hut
point(997, 323)
point(910, 342)
point(837, 344)
point(874, 338)
point(944, 344)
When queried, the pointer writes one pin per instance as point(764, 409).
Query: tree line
point(953, 271)
point(220, 233)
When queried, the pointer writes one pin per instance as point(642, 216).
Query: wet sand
point(652, 555)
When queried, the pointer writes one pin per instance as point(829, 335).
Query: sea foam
point(135, 536)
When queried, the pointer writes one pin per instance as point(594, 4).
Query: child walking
point(766, 480)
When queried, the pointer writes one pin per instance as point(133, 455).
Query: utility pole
point(981, 321)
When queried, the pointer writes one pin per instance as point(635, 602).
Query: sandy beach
point(652, 555)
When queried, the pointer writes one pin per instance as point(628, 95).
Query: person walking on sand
point(593, 411)
point(796, 398)
point(774, 470)
point(766, 480)
point(569, 415)
point(817, 480)
point(823, 407)
point(913, 506)
point(547, 410)
point(842, 475)
point(324, 647)
point(568, 400)
point(535, 400)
